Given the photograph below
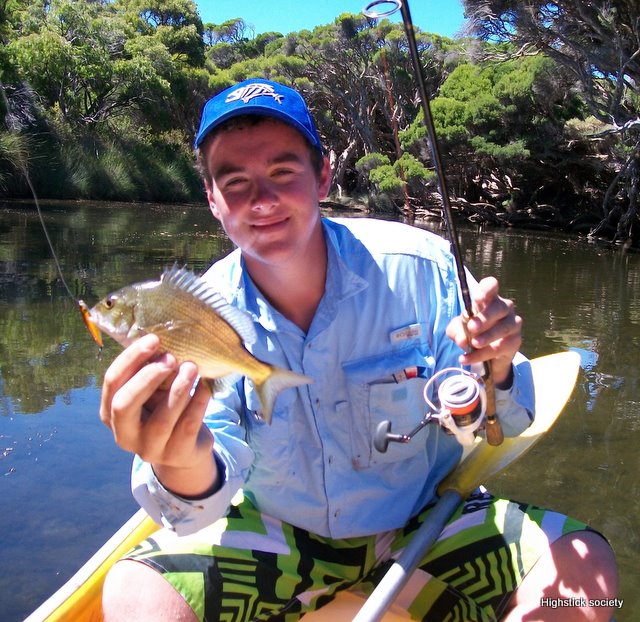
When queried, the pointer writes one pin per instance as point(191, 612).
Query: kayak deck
point(80, 598)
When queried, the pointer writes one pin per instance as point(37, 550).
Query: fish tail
point(278, 380)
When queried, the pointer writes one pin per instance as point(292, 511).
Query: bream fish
point(194, 323)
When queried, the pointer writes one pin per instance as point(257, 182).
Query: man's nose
point(264, 197)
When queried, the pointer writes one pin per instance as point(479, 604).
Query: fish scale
point(191, 337)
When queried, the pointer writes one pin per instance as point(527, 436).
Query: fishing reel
point(461, 411)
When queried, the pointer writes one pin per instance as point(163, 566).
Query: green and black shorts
point(249, 566)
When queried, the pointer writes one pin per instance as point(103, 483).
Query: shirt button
point(330, 459)
point(337, 513)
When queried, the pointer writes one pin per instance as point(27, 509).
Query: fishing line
point(493, 429)
point(82, 306)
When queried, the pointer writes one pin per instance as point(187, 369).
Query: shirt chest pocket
point(387, 387)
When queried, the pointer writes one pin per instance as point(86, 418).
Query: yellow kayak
point(79, 600)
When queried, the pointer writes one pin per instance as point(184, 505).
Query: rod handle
point(493, 429)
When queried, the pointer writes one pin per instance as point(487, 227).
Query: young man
point(355, 305)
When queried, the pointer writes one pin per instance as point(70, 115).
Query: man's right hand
point(147, 403)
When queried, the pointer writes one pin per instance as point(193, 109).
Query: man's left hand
point(493, 333)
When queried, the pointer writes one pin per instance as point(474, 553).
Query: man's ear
point(324, 179)
point(212, 204)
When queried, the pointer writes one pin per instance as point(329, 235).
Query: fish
point(194, 323)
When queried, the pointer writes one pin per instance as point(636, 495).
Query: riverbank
point(538, 218)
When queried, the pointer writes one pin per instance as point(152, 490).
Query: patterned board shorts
point(249, 566)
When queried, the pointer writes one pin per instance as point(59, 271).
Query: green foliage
point(14, 156)
point(506, 153)
point(370, 162)
point(376, 169)
point(386, 179)
point(492, 119)
point(135, 168)
point(81, 61)
point(93, 81)
point(451, 117)
point(105, 98)
point(466, 83)
point(406, 173)
point(174, 23)
point(413, 171)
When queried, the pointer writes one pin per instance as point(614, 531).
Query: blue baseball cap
point(258, 96)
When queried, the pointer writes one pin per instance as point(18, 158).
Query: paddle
point(554, 377)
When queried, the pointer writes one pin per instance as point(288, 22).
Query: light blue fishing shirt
point(391, 290)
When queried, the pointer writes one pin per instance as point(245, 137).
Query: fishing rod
point(494, 432)
point(82, 306)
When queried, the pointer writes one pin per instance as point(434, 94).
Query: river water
point(64, 484)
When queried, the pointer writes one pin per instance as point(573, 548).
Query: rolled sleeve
point(184, 516)
point(516, 406)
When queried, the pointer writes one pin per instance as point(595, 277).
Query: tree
point(174, 29)
point(598, 43)
point(500, 127)
point(232, 31)
point(82, 64)
point(234, 41)
point(360, 86)
point(176, 23)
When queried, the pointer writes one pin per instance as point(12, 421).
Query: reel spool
point(461, 411)
point(463, 403)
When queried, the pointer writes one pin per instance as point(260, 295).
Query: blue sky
point(442, 16)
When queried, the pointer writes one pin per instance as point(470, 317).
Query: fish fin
point(279, 380)
point(217, 385)
point(213, 384)
point(188, 281)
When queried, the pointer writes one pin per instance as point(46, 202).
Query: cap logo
point(249, 92)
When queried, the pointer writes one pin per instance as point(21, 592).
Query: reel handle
point(493, 428)
point(383, 437)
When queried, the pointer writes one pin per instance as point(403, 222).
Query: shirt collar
point(341, 283)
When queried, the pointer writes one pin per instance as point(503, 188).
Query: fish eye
point(108, 302)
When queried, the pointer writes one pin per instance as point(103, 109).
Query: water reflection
point(576, 296)
point(44, 347)
point(64, 485)
point(52, 445)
